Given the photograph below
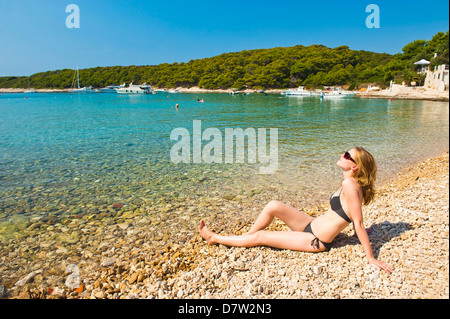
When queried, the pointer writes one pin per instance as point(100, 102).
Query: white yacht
point(167, 91)
point(111, 88)
point(87, 89)
point(337, 93)
point(300, 91)
point(136, 89)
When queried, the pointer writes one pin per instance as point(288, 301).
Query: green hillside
point(276, 68)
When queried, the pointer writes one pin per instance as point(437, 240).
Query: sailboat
point(79, 90)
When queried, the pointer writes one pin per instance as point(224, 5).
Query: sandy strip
point(399, 92)
point(38, 90)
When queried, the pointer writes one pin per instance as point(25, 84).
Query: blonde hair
point(366, 175)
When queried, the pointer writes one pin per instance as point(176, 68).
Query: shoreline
point(398, 92)
point(21, 90)
point(408, 93)
point(180, 89)
point(140, 256)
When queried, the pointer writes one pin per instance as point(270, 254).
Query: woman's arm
point(364, 239)
point(354, 204)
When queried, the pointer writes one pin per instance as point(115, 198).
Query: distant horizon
point(39, 36)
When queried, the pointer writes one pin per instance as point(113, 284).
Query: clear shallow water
point(72, 153)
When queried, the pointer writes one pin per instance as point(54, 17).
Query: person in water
point(316, 234)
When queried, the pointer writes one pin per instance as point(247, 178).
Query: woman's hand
point(381, 265)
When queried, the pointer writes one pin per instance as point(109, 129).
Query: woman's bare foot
point(207, 234)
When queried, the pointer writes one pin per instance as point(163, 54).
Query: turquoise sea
point(77, 153)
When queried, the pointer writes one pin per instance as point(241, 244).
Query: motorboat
point(111, 88)
point(337, 93)
point(174, 91)
point(136, 89)
point(87, 89)
point(300, 91)
point(30, 90)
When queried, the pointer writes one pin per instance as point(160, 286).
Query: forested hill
point(312, 66)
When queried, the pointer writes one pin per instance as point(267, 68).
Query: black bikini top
point(336, 206)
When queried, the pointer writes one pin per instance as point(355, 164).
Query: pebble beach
point(129, 254)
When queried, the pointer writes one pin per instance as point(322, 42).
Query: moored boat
point(337, 93)
point(300, 91)
point(111, 88)
point(86, 89)
point(136, 89)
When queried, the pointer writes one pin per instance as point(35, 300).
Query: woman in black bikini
point(316, 234)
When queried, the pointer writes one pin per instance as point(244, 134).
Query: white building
point(438, 78)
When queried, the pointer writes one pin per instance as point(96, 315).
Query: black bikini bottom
point(315, 241)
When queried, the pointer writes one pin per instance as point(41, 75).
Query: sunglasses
point(347, 156)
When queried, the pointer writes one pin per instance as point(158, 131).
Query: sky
point(34, 36)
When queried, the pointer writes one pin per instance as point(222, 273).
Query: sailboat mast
point(78, 78)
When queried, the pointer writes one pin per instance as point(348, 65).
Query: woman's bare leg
point(293, 240)
point(293, 218)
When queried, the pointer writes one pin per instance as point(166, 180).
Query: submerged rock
point(72, 238)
